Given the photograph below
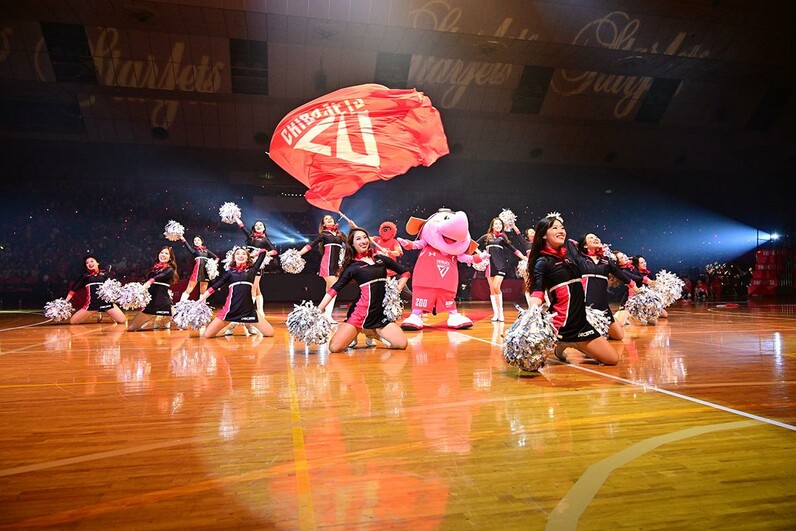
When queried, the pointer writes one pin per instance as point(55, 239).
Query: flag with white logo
point(337, 143)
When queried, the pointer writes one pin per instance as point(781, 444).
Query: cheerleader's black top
point(161, 299)
point(239, 306)
point(367, 310)
point(559, 275)
point(91, 282)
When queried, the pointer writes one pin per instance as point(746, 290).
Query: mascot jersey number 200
point(443, 239)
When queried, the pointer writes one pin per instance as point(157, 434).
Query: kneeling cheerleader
point(239, 306)
point(91, 280)
point(367, 312)
point(159, 280)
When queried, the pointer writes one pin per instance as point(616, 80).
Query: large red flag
point(337, 143)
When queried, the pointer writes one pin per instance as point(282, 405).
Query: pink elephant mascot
point(443, 239)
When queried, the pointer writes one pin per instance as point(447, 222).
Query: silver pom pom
point(192, 314)
point(508, 217)
point(599, 320)
point(227, 261)
point(480, 266)
point(669, 286)
point(58, 310)
point(134, 296)
point(110, 290)
point(522, 268)
point(393, 306)
point(229, 212)
point(341, 257)
point(646, 306)
point(530, 339)
point(174, 231)
point(211, 266)
point(306, 323)
point(292, 262)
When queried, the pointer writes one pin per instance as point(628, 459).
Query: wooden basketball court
point(695, 428)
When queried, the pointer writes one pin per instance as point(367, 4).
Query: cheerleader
point(527, 242)
point(556, 274)
point(385, 244)
point(257, 238)
point(626, 265)
point(91, 280)
point(199, 274)
point(640, 265)
point(332, 240)
point(596, 267)
point(239, 306)
point(366, 313)
point(159, 280)
point(497, 245)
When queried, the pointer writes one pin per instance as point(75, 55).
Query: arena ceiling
point(661, 85)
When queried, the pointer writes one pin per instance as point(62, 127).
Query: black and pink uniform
point(161, 303)
point(367, 310)
point(498, 246)
point(201, 255)
point(560, 277)
point(635, 276)
point(91, 281)
point(239, 306)
point(595, 281)
point(333, 243)
point(257, 240)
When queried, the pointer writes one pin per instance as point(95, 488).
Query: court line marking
point(36, 467)
point(25, 326)
point(32, 345)
point(567, 512)
point(648, 387)
point(306, 509)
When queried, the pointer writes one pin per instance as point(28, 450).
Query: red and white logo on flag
point(337, 143)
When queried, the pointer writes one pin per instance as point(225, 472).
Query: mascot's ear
point(414, 225)
point(473, 247)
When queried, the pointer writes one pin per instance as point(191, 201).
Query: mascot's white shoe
point(413, 322)
point(457, 320)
